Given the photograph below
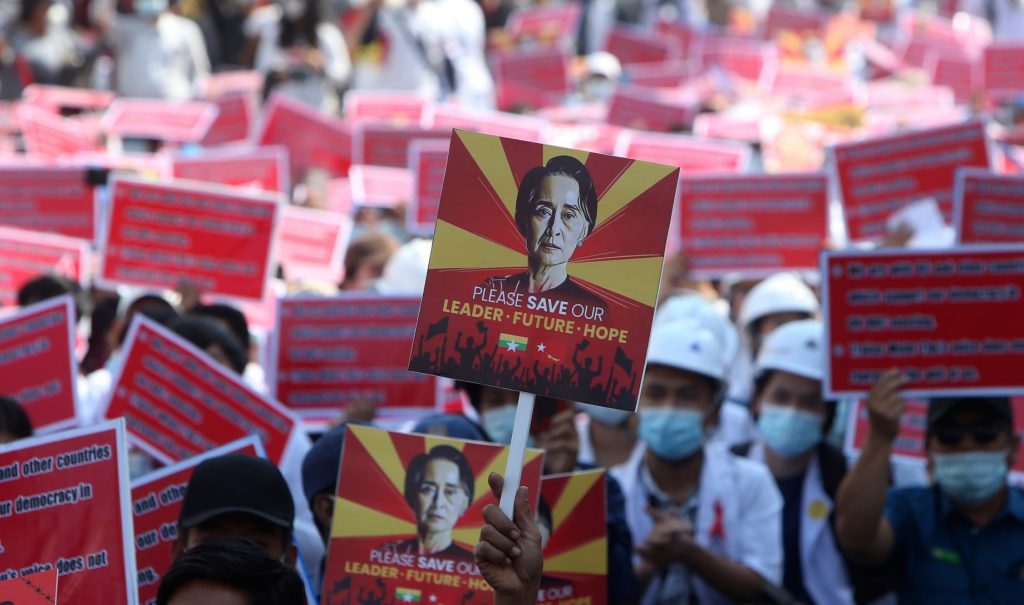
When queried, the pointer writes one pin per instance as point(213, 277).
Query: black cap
point(941, 408)
point(455, 426)
point(320, 466)
point(237, 483)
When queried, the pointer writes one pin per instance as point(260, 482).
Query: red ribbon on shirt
point(718, 527)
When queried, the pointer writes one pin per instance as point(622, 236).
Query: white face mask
point(499, 422)
point(150, 8)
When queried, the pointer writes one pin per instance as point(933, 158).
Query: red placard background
point(178, 402)
point(177, 121)
point(313, 139)
point(381, 144)
point(544, 24)
point(263, 168)
point(878, 176)
point(25, 255)
point(86, 534)
point(576, 556)
point(651, 109)
point(427, 160)
point(380, 186)
point(1003, 71)
point(491, 122)
point(51, 199)
point(34, 589)
point(753, 223)
point(384, 106)
point(533, 78)
point(37, 362)
point(234, 121)
point(989, 207)
point(887, 310)
point(690, 154)
point(217, 238)
point(311, 243)
point(631, 46)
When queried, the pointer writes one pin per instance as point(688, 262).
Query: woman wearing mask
point(707, 523)
point(303, 56)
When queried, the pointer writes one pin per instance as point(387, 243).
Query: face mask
point(498, 423)
point(789, 431)
point(605, 416)
point(971, 477)
point(149, 8)
point(670, 433)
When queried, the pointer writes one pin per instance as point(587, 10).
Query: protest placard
point(174, 121)
point(235, 113)
point(652, 109)
point(530, 78)
point(427, 161)
point(67, 97)
point(311, 244)
point(495, 123)
point(877, 176)
point(25, 255)
point(314, 140)
point(948, 319)
point(50, 199)
point(382, 144)
point(328, 352)
point(745, 58)
point(39, 588)
point(161, 234)
point(988, 207)
point(156, 506)
point(534, 26)
point(791, 19)
point(715, 126)
point(754, 224)
point(178, 402)
point(576, 545)
point(65, 506)
point(690, 154)
point(1003, 71)
point(264, 167)
point(228, 83)
point(48, 135)
point(542, 282)
point(380, 186)
point(377, 535)
point(384, 106)
point(37, 362)
point(634, 45)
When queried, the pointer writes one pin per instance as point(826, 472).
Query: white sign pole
point(517, 451)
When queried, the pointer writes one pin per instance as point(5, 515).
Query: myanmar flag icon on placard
point(512, 343)
point(408, 595)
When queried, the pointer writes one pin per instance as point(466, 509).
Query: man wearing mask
point(960, 540)
point(708, 523)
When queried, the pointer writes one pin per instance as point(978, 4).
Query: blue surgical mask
point(971, 477)
point(498, 422)
point(787, 430)
point(670, 433)
point(605, 416)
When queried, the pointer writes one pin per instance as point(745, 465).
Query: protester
point(46, 287)
point(607, 436)
point(14, 422)
point(509, 552)
point(234, 320)
point(46, 50)
point(213, 339)
point(365, 260)
point(959, 540)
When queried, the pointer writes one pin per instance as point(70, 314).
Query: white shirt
point(465, 43)
point(404, 67)
point(163, 60)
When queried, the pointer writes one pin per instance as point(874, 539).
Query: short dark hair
point(231, 316)
point(46, 287)
point(418, 467)
point(204, 332)
point(14, 419)
point(151, 306)
point(237, 563)
point(562, 165)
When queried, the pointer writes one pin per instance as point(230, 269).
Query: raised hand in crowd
point(509, 551)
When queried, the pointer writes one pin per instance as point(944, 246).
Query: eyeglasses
point(983, 434)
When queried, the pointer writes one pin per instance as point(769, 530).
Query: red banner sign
point(380, 144)
point(631, 46)
point(50, 136)
point(1003, 69)
point(55, 200)
point(878, 176)
point(753, 223)
point(160, 234)
point(263, 168)
point(530, 79)
point(989, 207)
point(544, 25)
point(39, 588)
point(178, 402)
point(67, 97)
point(65, 507)
point(427, 161)
point(314, 140)
point(380, 186)
point(384, 106)
point(948, 319)
point(490, 122)
point(234, 121)
point(156, 507)
point(176, 121)
point(652, 109)
point(691, 154)
point(328, 352)
point(311, 244)
point(25, 255)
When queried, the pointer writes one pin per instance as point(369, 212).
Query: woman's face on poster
point(442, 499)
point(558, 225)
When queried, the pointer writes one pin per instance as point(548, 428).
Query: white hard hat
point(406, 270)
point(780, 293)
point(694, 307)
point(686, 345)
point(796, 347)
point(603, 63)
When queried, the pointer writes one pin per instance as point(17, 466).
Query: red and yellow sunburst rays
point(371, 503)
point(578, 546)
point(620, 258)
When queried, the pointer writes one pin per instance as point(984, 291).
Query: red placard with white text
point(652, 109)
point(217, 238)
point(1003, 71)
point(532, 78)
point(264, 168)
point(174, 121)
point(544, 25)
point(64, 505)
point(791, 19)
point(235, 113)
point(311, 243)
point(178, 402)
point(51, 199)
point(380, 186)
point(878, 176)
point(427, 161)
point(989, 207)
point(753, 223)
point(632, 46)
point(948, 319)
point(38, 588)
point(25, 255)
point(50, 136)
point(156, 506)
point(746, 58)
point(380, 144)
point(228, 83)
point(495, 123)
point(576, 549)
point(394, 107)
point(329, 352)
point(67, 97)
point(690, 154)
point(314, 140)
point(37, 362)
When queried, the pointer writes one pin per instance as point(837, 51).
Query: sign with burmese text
point(575, 547)
point(25, 255)
point(53, 199)
point(64, 506)
point(178, 402)
point(544, 270)
point(156, 506)
point(410, 538)
point(989, 207)
point(948, 319)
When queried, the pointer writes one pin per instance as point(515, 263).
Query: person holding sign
point(707, 522)
point(509, 552)
point(959, 540)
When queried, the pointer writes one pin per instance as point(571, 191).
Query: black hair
point(305, 32)
point(473, 391)
point(28, 7)
point(46, 287)
point(204, 333)
point(14, 419)
point(562, 165)
point(151, 306)
point(240, 564)
point(418, 467)
point(761, 383)
point(231, 316)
